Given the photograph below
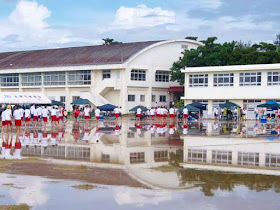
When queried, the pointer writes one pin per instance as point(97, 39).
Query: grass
point(165, 168)
point(84, 187)
point(15, 207)
point(8, 184)
point(81, 168)
point(5, 163)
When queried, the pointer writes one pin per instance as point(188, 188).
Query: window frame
point(270, 76)
point(219, 80)
point(9, 80)
point(243, 78)
point(106, 74)
point(198, 78)
point(161, 97)
point(80, 77)
point(162, 76)
point(138, 75)
point(49, 78)
point(131, 95)
point(32, 79)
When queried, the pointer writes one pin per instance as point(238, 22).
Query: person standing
point(97, 113)
point(17, 117)
point(53, 115)
point(21, 112)
point(138, 113)
point(39, 110)
point(35, 117)
point(32, 109)
point(87, 113)
point(3, 122)
point(27, 116)
point(152, 112)
point(45, 114)
point(117, 112)
point(256, 111)
point(185, 113)
point(216, 113)
point(77, 112)
point(8, 118)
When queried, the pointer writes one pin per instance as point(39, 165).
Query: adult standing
point(27, 116)
point(17, 117)
point(8, 118)
point(45, 114)
point(97, 113)
point(32, 109)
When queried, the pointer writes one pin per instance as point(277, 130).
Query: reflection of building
point(245, 85)
point(122, 74)
point(232, 152)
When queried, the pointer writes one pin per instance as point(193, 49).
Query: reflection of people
point(185, 128)
point(97, 135)
point(17, 152)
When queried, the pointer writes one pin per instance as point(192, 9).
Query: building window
point(162, 98)
point(162, 76)
point(74, 98)
point(198, 80)
point(106, 74)
point(9, 80)
point(54, 78)
point(105, 158)
point(273, 78)
point(223, 79)
point(79, 77)
point(197, 155)
point(272, 160)
point(139, 75)
point(142, 98)
point(153, 98)
point(219, 156)
point(31, 79)
point(248, 159)
point(250, 79)
point(160, 156)
point(137, 157)
point(131, 97)
point(62, 99)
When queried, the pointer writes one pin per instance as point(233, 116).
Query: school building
point(245, 85)
point(126, 75)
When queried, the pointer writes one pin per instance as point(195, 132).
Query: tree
point(192, 38)
point(277, 41)
point(108, 41)
point(223, 54)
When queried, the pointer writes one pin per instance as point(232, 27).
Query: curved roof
point(73, 56)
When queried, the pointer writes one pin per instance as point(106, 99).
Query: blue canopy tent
point(107, 107)
point(57, 103)
point(81, 101)
point(199, 105)
point(270, 105)
point(134, 109)
point(190, 108)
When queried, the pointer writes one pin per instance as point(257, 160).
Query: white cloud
point(30, 14)
point(142, 16)
point(206, 4)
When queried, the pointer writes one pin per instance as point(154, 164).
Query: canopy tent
point(229, 105)
point(81, 101)
point(190, 108)
point(270, 105)
point(107, 107)
point(23, 98)
point(198, 105)
point(57, 103)
point(143, 108)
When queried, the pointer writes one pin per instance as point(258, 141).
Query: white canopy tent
point(23, 98)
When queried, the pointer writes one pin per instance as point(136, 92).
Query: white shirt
point(171, 111)
point(138, 111)
point(45, 112)
point(17, 114)
point(8, 114)
point(97, 112)
point(39, 109)
point(87, 110)
point(21, 111)
point(116, 110)
point(185, 111)
point(3, 116)
point(27, 113)
point(153, 112)
point(32, 109)
point(53, 112)
point(35, 113)
point(158, 110)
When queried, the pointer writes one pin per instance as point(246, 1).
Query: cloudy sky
point(35, 24)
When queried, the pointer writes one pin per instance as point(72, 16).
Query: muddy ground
point(97, 175)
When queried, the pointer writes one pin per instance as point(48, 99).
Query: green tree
point(223, 54)
point(108, 41)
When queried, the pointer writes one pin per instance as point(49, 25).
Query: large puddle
point(210, 165)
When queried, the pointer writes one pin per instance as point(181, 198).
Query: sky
point(39, 24)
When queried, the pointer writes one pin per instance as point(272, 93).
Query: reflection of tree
point(214, 180)
point(176, 158)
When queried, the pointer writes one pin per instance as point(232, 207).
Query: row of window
point(74, 78)
point(227, 79)
point(162, 98)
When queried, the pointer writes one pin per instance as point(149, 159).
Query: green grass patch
point(84, 187)
point(165, 168)
point(15, 207)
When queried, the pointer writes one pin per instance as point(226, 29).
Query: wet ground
point(163, 165)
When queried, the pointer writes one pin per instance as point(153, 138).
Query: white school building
point(126, 75)
point(245, 85)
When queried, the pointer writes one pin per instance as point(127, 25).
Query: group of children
point(161, 113)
